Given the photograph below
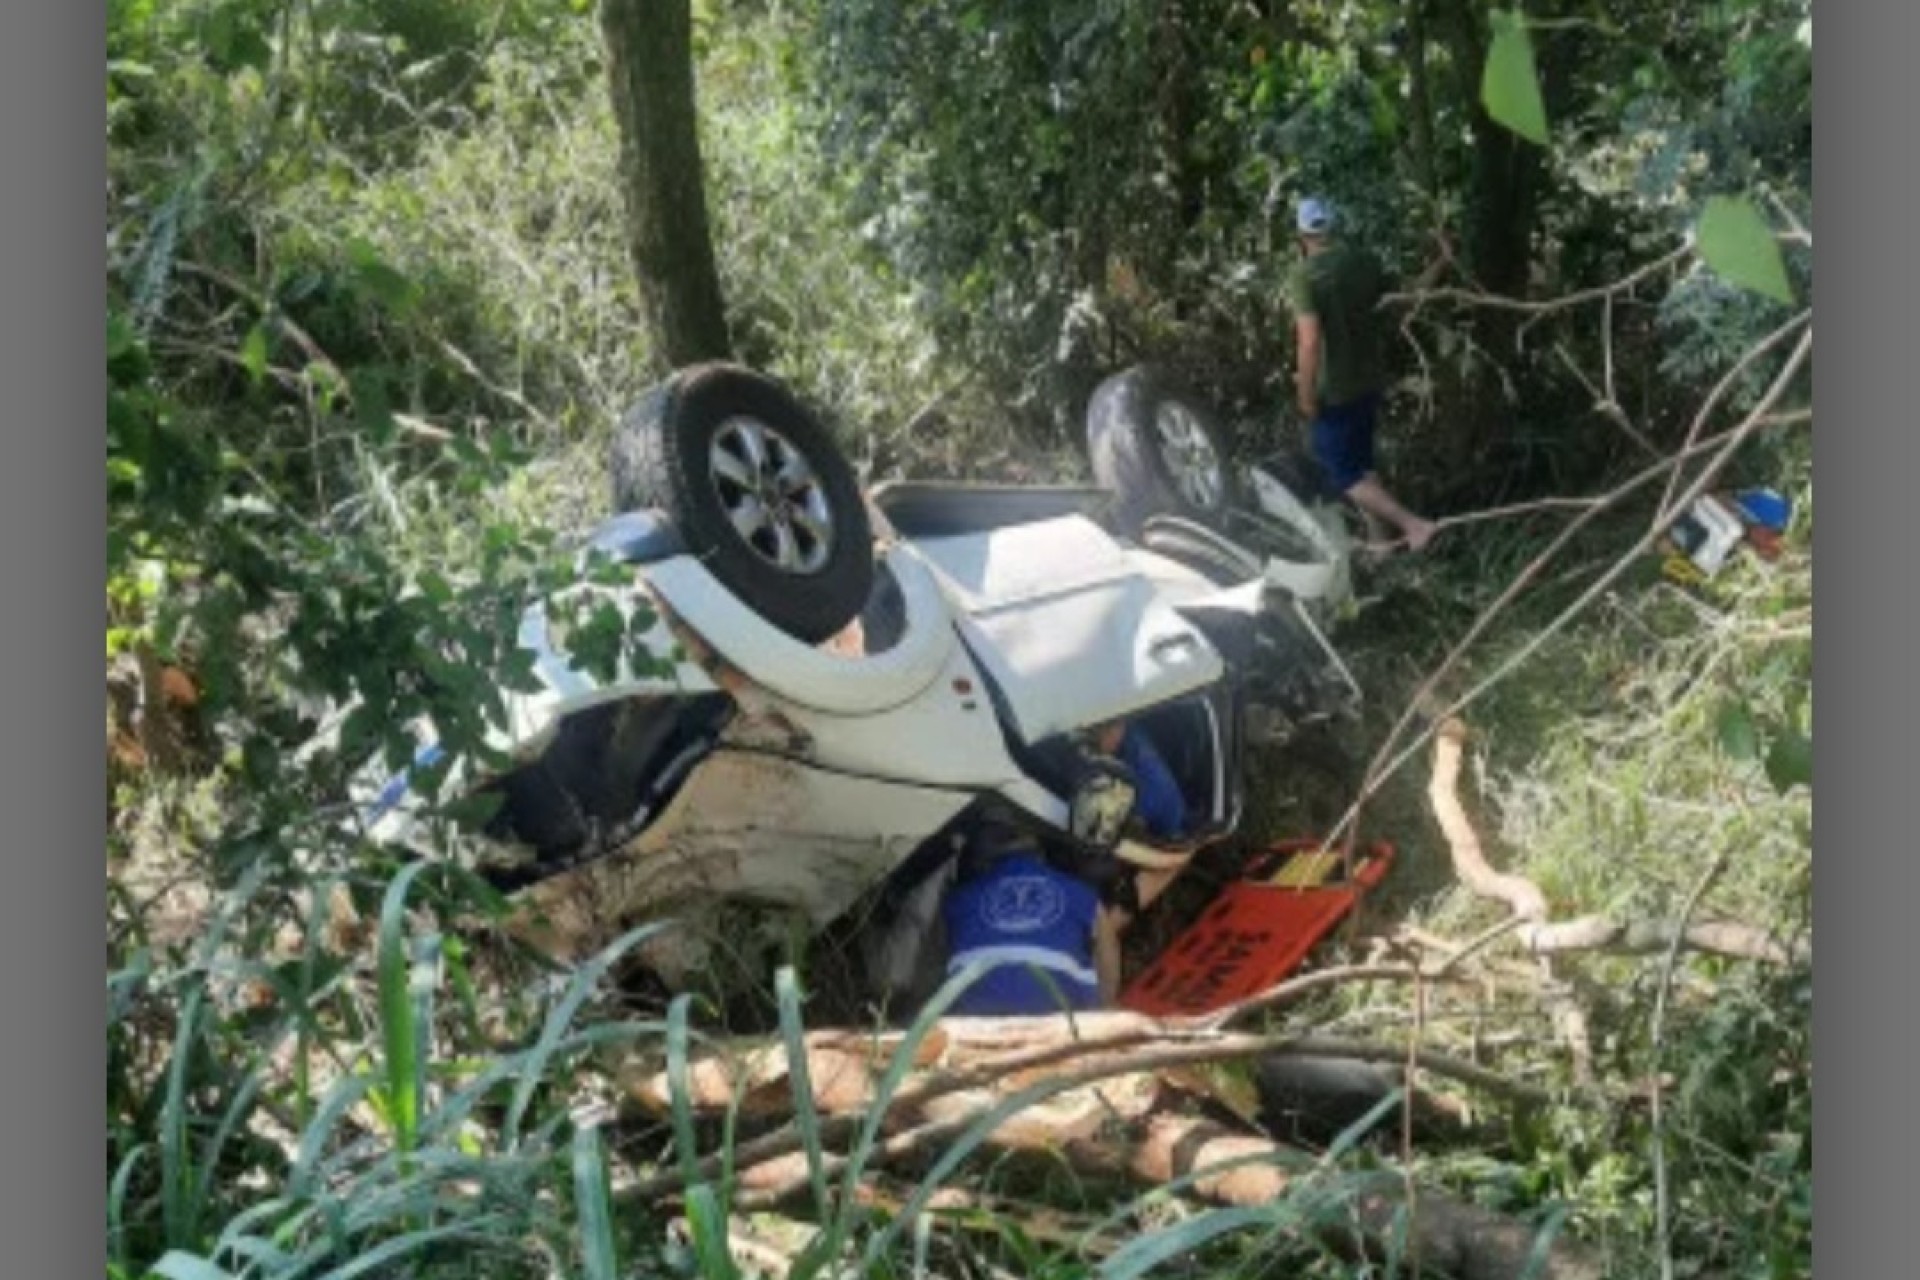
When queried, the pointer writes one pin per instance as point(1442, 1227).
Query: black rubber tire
point(660, 459)
point(1125, 450)
point(1314, 1100)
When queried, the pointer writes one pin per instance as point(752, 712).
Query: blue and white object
point(1019, 917)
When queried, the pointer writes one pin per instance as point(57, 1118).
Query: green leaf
point(435, 587)
point(1739, 245)
point(120, 335)
point(473, 812)
point(253, 353)
point(1510, 85)
point(373, 277)
point(1790, 761)
point(517, 672)
point(1737, 735)
point(372, 406)
point(363, 726)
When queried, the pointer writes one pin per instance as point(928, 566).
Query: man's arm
point(1306, 377)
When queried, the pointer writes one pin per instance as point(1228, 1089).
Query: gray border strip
point(53, 531)
point(1869, 701)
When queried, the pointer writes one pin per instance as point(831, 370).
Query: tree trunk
point(650, 74)
point(1420, 102)
point(1506, 168)
point(1177, 109)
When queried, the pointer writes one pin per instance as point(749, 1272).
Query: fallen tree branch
point(850, 1103)
point(1647, 937)
point(1521, 895)
point(1543, 936)
point(1237, 1169)
point(1296, 988)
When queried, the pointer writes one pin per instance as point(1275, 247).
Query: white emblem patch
point(1023, 904)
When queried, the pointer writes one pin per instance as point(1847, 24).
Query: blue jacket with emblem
point(1023, 916)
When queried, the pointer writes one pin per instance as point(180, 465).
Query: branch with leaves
point(1719, 449)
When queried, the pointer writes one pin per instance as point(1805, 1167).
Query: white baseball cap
point(1315, 216)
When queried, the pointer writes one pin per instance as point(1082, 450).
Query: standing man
point(1342, 366)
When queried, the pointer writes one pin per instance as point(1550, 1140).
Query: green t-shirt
point(1341, 285)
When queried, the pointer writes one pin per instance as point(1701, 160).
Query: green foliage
point(1067, 187)
point(348, 1187)
point(291, 523)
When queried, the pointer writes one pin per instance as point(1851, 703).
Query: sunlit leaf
point(1737, 243)
point(253, 353)
point(374, 277)
point(1510, 86)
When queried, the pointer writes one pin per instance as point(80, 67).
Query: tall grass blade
point(685, 1145)
point(706, 1215)
point(1142, 1254)
point(399, 1035)
point(594, 1206)
point(180, 1265)
point(458, 1106)
point(346, 1092)
point(125, 984)
point(827, 1244)
point(378, 1258)
point(585, 979)
point(176, 1173)
point(1360, 1128)
point(240, 1109)
point(806, 1117)
point(117, 1207)
point(1543, 1242)
point(707, 1220)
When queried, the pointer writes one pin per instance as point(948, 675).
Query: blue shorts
point(1343, 440)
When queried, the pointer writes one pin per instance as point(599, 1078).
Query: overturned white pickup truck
point(856, 680)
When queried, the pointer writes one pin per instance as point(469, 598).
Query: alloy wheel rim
point(1190, 456)
point(771, 495)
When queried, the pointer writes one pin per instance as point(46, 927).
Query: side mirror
point(1104, 793)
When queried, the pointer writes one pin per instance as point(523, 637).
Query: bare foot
point(1420, 533)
